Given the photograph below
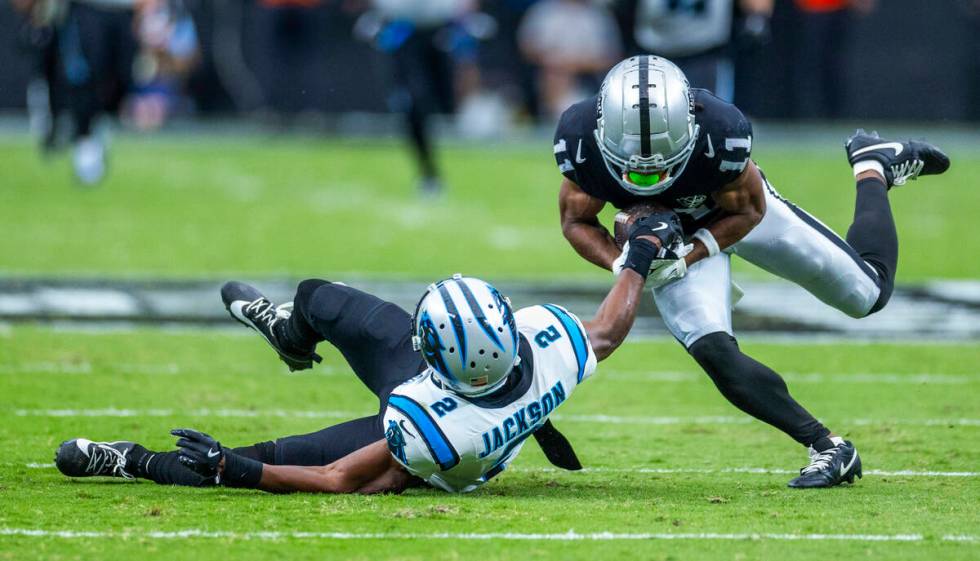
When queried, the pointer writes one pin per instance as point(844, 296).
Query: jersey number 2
point(547, 337)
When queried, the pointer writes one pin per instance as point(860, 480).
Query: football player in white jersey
point(462, 383)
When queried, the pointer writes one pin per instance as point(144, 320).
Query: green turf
point(292, 206)
point(43, 368)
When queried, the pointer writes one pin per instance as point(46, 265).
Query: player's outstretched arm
point(614, 319)
point(581, 227)
point(371, 469)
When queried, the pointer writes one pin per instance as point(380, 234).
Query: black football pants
point(375, 338)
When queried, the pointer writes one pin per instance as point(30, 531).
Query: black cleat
point(250, 307)
point(830, 468)
point(83, 458)
point(903, 161)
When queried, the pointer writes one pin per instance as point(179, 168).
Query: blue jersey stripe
point(439, 446)
point(575, 335)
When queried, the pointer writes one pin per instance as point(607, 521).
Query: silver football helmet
point(466, 332)
point(645, 130)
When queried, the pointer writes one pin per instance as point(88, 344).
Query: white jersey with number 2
point(457, 443)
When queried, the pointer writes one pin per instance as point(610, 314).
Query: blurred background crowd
point(493, 64)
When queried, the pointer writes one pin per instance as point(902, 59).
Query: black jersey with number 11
point(722, 151)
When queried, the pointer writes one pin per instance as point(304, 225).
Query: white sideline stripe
point(803, 378)
point(571, 535)
point(746, 470)
point(332, 414)
point(85, 367)
point(248, 413)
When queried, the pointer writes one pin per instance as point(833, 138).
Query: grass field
point(674, 472)
point(661, 415)
point(300, 207)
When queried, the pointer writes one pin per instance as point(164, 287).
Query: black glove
point(665, 226)
point(199, 452)
point(202, 454)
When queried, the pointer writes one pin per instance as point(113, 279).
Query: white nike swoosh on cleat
point(896, 146)
point(847, 468)
point(663, 226)
point(82, 444)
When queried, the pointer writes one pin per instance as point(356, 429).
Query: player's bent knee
point(883, 297)
point(714, 352)
point(305, 290)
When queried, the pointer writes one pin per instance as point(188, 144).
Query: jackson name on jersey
point(457, 443)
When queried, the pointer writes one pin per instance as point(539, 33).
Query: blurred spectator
point(515, 70)
point(423, 39)
point(45, 91)
point(97, 47)
point(697, 36)
point(570, 41)
point(168, 52)
point(291, 33)
point(819, 73)
point(973, 69)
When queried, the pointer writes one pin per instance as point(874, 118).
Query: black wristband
point(241, 471)
point(641, 255)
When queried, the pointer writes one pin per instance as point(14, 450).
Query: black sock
point(873, 235)
point(823, 444)
point(163, 468)
point(755, 388)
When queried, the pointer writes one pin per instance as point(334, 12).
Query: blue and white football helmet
point(466, 332)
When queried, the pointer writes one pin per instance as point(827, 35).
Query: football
point(625, 218)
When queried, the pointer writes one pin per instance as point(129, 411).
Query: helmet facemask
point(646, 130)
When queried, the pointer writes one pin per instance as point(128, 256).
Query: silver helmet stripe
point(644, 107)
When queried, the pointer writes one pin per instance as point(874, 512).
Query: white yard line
point(743, 470)
point(574, 418)
point(802, 378)
point(571, 535)
point(151, 369)
point(233, 413)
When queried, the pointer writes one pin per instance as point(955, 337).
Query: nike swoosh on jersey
point(711, 148)
point(896, 146)
point(578, 153)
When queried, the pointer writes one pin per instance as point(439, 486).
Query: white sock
point(869, 165)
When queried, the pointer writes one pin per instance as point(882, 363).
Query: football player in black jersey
point(648, 135)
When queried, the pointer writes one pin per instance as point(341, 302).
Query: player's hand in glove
point(657, 262)
point(203, 454)
point(199, 452)
point(665, 226)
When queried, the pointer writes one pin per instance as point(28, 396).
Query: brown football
point(626, 217)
